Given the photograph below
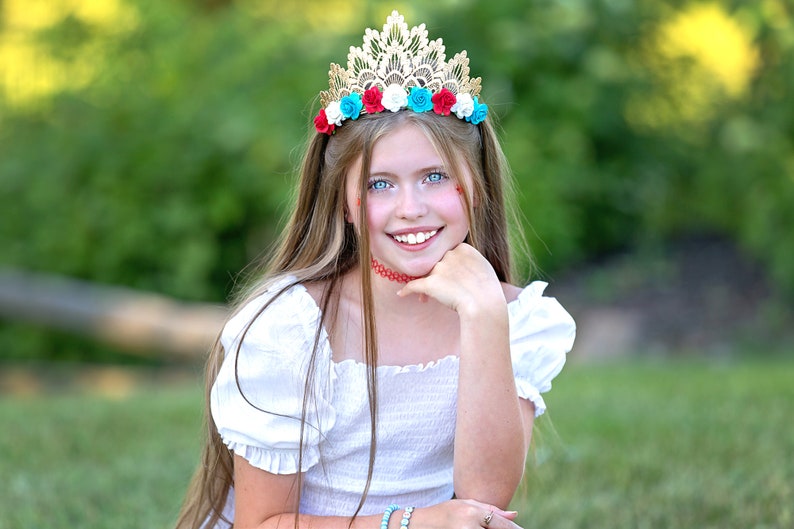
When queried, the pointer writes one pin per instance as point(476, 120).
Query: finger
point(504, 514)
point(503, 522)
point(500, 519)
point(417, 286)
point(426, 290)
point(510, 515)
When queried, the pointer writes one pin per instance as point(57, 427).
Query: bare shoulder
point(344, 291)
point(511, 291)
point(315, 289)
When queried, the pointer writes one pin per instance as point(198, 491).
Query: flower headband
point(395, 69)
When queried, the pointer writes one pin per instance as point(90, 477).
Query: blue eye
point(435, 178)
point(378, 185)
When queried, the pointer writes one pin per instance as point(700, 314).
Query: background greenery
point(639, 445)
point(152, 144)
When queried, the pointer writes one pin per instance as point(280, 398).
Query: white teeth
point(415, 238)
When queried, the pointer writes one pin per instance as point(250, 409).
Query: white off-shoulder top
point(257, 410)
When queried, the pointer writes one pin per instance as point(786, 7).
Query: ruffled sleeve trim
point(257, 398)
point(541, 334)
point(271, 460)
point(529, 392)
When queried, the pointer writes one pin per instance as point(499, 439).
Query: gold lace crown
point(399, 68)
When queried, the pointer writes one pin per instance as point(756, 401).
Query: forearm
point(445, 515)
point(490, 436)
point(307, 521)
point(264, 500)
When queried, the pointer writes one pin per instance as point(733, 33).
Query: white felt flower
point(462, 108)
point(333, 112)
point(394, 98)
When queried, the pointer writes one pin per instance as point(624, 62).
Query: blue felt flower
point(479, 113)
point(420, 99)
point(351, 106)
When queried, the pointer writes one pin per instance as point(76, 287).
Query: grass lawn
point(84, 461)
point(638, 445)
point(666, 445)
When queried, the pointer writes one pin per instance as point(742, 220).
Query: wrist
point(387, 514)
point(406, 519)
point(491, 311)
point(394, 518)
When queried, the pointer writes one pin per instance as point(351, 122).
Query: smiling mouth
point(415, 238)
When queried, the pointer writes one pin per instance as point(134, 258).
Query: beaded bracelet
point(406, 518)
point(384, 524)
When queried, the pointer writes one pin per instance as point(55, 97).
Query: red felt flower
point(372, 100)
point(322, 125)
point(443, 102)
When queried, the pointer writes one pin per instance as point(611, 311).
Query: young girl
point(384, 370)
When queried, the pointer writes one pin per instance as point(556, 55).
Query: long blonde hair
point(318, 246)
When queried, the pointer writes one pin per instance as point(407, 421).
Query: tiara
point(399, 68)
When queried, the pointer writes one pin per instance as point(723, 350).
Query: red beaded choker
point(390, 274)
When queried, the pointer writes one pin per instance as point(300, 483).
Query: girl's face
point(415, 209)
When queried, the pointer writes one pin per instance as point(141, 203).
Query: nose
point(410, 203)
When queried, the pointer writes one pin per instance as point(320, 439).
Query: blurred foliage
point(153, 144)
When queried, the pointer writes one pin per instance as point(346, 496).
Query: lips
point(413, 238)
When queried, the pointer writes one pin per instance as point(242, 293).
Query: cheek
point(377, 214)
point(451, 204)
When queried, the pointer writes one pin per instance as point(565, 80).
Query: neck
point(390, 274)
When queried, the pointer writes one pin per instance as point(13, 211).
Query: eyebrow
point(423, 170)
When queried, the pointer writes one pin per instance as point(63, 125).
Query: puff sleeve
point(541, 334)
point(257, 399)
